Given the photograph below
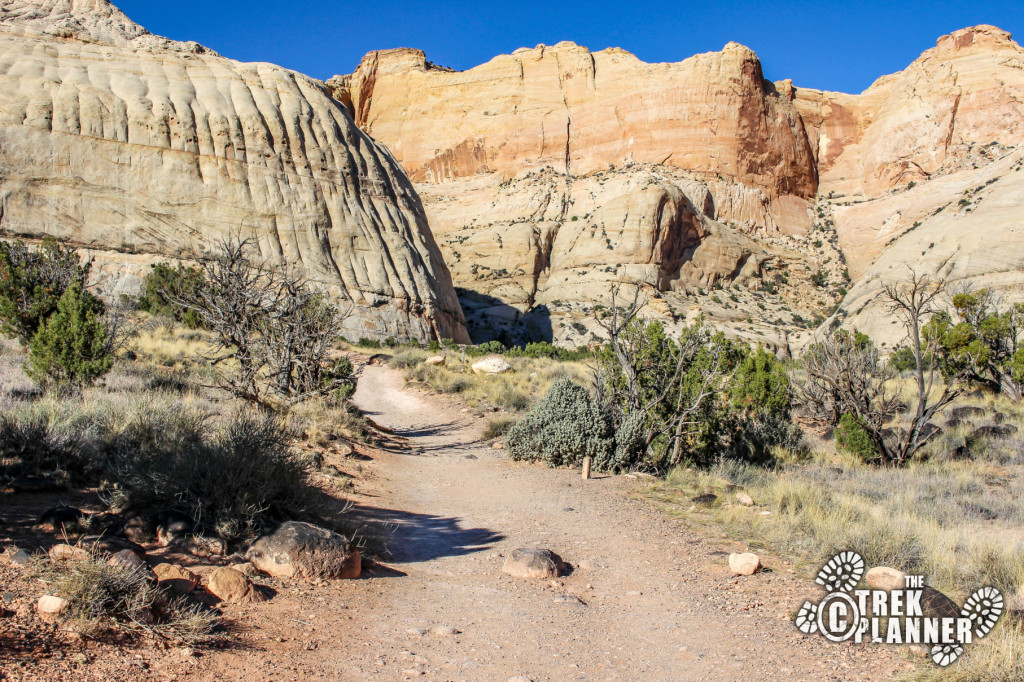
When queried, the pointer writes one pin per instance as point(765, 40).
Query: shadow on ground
point(423, 537)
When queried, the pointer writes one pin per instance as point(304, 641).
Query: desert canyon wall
point(141, 149)
point(552, 172)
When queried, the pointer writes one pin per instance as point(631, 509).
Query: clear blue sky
point(841, 46)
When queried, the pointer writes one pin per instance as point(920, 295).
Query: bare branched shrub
point(274, 333)
point(846, 375)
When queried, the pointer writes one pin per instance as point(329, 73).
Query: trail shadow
point(423, 537)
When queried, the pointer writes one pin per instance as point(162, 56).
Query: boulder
point(65, 552)
point(178, 578)
point(885, 578)
point(51, 608)
point(533, 563)
point(302, 550)
point(438, 360)
point(129, 560)
point(745, 563)
point(745, 499)
point(934, 604)
point(491, 364)
point(229, 585)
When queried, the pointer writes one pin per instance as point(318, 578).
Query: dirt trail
point(648, 599)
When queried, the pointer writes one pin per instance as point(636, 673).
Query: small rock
point(64, 552)
point(21, 558)
point(178, 578)
point(997, 432)
point(437, 360)
point(187, 652)
point(205, 546)
point(533, 563)
point(745, 499)
point(471, 457)
point(745, 563)
point(50, 608)
point(302, 550)
point(492, 364)
point(130, 560)
point(229, 585)
point(885, 578)
point(445, 631)
point(416, 631)
point(497, 445)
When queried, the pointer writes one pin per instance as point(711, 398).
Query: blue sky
point(841, 46)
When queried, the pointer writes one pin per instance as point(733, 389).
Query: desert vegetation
point(206, 405)
point(914, 459)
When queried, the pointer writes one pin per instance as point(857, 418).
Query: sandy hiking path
point(647, 598)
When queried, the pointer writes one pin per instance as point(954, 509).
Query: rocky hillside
point(550, 172)
point(144, 149)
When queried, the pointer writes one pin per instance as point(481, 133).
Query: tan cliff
point(551, 173)
point(922, 171)
point(142, 149)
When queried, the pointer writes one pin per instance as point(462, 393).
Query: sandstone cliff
point(552, 172)
point(142, 149)
point(922, 171)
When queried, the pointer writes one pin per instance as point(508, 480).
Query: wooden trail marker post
point(586, 468)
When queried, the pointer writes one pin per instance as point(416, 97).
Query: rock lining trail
point(647, 598)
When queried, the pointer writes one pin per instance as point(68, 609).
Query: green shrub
point(368, 343)
point(488, 348)
point(70, 347)
point(854, 439)
point(563, 428)
point(164, 285)
point(32, 282)
point(761, 383)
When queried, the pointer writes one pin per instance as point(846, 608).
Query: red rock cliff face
point(579, 112)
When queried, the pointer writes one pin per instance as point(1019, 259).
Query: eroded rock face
point(924, 171)
point(553, 171)
point(144, 149)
